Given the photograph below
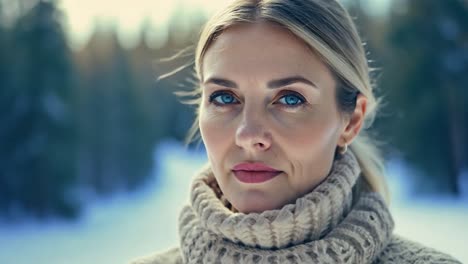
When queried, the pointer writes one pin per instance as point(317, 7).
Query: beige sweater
point(340, 221)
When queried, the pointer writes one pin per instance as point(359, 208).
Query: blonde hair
point(327, 28)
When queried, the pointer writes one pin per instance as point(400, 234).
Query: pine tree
point(6, 93)
point(426, 78)
point(116, 144)
point(37, 154)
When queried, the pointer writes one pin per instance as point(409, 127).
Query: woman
point(283, 99)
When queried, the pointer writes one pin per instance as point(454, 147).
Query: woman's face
point(267, 99)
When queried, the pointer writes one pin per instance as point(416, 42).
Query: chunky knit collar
point(338, 222)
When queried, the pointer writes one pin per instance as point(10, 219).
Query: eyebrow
point(273, 84)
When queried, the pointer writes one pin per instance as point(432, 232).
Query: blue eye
point(222, 98)
point(291, 100)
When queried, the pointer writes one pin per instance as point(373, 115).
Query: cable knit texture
point(340, 221)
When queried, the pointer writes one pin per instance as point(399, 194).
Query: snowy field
point(116, 230)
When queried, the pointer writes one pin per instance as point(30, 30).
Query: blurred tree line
point(421, 49)
point(428, 79)
point(75, 123)
point(83, 121)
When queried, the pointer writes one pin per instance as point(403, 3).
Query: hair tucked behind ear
point(327, 28)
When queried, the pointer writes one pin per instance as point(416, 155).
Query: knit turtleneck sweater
point(340, 221)
point(327, 225)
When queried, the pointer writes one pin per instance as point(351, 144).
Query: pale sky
point(128, 15)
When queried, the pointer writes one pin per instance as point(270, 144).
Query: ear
point(354, 122)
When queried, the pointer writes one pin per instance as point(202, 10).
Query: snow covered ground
point(116, 230)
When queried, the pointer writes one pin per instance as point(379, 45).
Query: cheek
point(312, 138)
point(309, 129)
point(310, 148)
point(215, 132)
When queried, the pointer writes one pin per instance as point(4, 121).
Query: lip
point(255, 166)
point(254, 172)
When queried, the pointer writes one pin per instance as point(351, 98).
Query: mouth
point(254, 172)
point(247, 176)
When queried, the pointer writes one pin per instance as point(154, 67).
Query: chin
point(250, 209)
point(254, 204)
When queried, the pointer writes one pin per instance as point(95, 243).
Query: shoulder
point(401, 250)
point(170, 256)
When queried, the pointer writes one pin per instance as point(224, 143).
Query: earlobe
point(355, 122)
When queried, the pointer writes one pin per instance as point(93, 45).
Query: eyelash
point(285, 93)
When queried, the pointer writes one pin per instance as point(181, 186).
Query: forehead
point(260, 49)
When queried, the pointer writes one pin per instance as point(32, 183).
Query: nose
point(252, 134)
